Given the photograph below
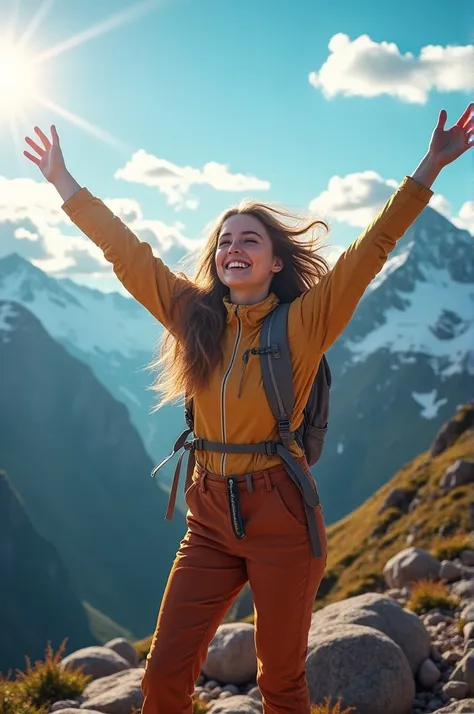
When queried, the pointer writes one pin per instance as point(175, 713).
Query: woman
point(251, 262)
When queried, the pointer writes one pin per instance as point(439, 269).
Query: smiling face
point(244, 259)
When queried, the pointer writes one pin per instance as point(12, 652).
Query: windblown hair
point(192, 349)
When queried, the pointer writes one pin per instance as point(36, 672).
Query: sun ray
point(110, 23)
point(12, 22)
point(84, 124)
point(35, 22)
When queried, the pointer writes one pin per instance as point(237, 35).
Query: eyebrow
point(242, 233)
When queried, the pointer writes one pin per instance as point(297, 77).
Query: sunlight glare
point(17, 78)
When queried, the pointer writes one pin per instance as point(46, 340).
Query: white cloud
point(175, 181)
point(464, 219)
point(354, 199)
point(365, 68)
point(33, 225)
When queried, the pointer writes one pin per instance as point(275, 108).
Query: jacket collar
point(250, 314)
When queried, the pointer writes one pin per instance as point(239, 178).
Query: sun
point(18, 79)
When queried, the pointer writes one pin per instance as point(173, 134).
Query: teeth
point(235, 264)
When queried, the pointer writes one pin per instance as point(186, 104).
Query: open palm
point(448, 144)
point(49, 159)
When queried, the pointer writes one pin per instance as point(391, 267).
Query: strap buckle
point(270, 448)
point(196, 444)
point(284, 429)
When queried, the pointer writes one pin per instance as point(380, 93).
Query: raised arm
point(323, 312)
point(143, 275)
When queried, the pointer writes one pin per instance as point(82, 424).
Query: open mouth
point(237, 265)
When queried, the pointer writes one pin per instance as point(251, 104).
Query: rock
point(468, 631)
point(457, 690)
point(125, 649)
point(434, 618)
point(96, 661)
point(362, 666)
point(231, 656)
point(211, 684)
point(383, 614)
point(469, 645)
point(239, 704)
point(464, 707)
point(65, 704)
point(410, 565)
point(464, 672)
point(450, 571)
point(399, 498)
point(463, 589)
point(468, 613)
point(255, 693)
point(428, 674)
point(225, 694)
point(451, 656)
point(205, 697)
point(458, 474)
point(467, 557)
point(116, 694)
point(452, 429)
point(395, 594)
point(231, 688)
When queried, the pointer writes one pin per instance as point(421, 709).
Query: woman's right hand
point(50, 159)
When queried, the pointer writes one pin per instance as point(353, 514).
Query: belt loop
point(248, 478)
point(202, 485)
point(268, 483)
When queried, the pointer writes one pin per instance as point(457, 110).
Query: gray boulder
point(231, 656)
point(384, 614)
point(96, 661)
point(116, 694)
point(458, 474)
point(240, 704)
point(125, 649)
point(362, 666)
point(410, 565)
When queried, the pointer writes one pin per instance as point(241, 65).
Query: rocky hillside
point(38, 601)
point(428, 498)
point(83, 474)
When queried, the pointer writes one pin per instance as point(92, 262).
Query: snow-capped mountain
point(111, 333)
point(400, 368)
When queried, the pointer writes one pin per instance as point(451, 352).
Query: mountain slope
point(83, 474)
point(360, 544)
point(38, 601)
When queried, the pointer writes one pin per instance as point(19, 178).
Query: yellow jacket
point(315, 320)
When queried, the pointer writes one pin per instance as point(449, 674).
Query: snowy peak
point(89, 320)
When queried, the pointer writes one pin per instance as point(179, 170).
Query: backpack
point(277, 375)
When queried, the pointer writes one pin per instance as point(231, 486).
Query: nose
point(234, 247)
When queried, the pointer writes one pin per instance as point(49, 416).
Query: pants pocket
point(290, 502)
point(189, 490)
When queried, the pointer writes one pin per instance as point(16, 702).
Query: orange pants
point(211, 567)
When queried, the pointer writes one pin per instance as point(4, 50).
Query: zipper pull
point(245, 359)
point(276, 351)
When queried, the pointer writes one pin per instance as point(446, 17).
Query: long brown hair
point(193, 349)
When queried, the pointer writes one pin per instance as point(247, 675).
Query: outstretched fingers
point(55, 136)
point(32, 158)
point(44, 139)
point(35, 146)
point(466, 116)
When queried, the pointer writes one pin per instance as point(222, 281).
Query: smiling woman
point(17, 79)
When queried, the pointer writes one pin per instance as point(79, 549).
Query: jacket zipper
point(223, 387)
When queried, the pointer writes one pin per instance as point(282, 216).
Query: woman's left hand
point(447, 145)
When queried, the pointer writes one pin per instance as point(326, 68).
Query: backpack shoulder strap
point(277, 370)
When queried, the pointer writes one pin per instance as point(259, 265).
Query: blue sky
point(192, 82)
